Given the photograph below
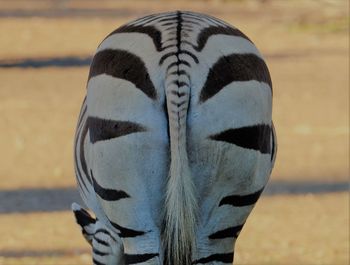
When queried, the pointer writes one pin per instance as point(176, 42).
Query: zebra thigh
point(231, 157)
point(127, 158)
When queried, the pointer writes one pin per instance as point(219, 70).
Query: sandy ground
point(306, 48)
point(289, 230)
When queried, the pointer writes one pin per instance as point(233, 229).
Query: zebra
point(174, 142)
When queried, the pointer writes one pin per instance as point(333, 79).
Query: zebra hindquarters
point(230, 151)
point(128, 163)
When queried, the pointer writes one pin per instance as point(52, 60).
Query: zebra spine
point(181, 202)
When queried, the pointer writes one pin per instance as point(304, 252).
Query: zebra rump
point(175, 141)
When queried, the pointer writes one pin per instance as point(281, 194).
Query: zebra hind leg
point(107, 247)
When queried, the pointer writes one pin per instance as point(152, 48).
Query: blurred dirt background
point(45, 50)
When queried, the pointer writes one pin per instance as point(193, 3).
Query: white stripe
point(118, 99)
point(237, 105)
point(220, 45)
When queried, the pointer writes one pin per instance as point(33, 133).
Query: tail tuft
point(180, 220)
point(86, 222)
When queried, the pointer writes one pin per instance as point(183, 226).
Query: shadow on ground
point(41, 253)
point(69, 61)
point(60, 199)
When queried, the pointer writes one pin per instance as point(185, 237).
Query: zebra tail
point(86, 222)
point(181, 203)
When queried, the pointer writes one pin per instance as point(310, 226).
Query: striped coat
point(175, 141)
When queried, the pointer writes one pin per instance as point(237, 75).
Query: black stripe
point(188, 43)
point(231, 68)
point(126, 232)
point(172, 23)
point(83, 218)
point(228, 232)
point(256, 137)
point(151, 31)
point(179, 73)
point(100, 241)
point(169, 46)
point(178, 32)
point(177, 63)
point(168, 40)
point(194, 57)
point(177, 93)
point(97, 262)
point(179, 83)
point(77, 163)
point(124, 65)
point(178, 104)
point(108, 194)
point(85, 130)
point(165, 56)
point(97, 252)
point(241, 200)
point(102, 129)
point(165, 109)
point(170, 28)
point(172, 33)
point(172, 18)
point(222, 257)
point(273, 136)
point(177, 112)
point(138, 258)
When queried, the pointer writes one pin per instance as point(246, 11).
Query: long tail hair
point(181, 203)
